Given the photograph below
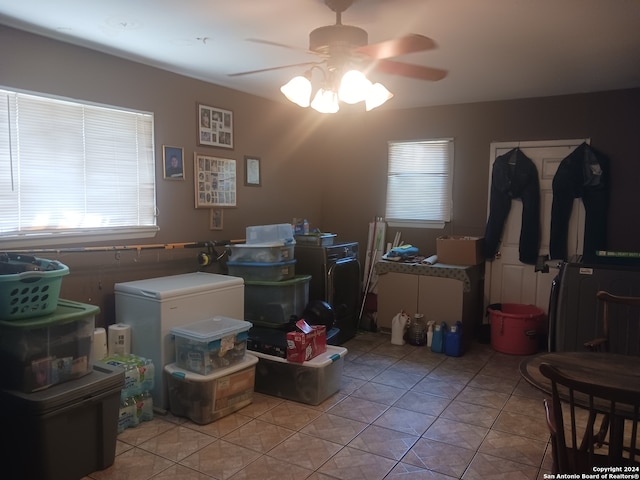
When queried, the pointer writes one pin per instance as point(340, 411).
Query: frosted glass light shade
point(376, 96)
point(298, 90)
point(353, 87)
point(325, 101)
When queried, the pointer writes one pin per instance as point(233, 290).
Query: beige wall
point(329, 169)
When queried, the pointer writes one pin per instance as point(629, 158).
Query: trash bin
point(515, 328)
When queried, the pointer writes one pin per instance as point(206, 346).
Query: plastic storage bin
point(310, 382)
point(29, 286)
point(263, 272)
point(43, 351)
point(205, 346)
point(261, 253)
point(273, 303)
point(205, 398)
point(280, 232)
point(64, 432)
point(515, 328)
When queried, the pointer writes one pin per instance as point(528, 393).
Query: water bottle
point(127, 415)
point(453, 341)
point(144, 406)
point(417, 334)
point(437, 342)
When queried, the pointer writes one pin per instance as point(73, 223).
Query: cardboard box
point(303, 346)
point(460, 250)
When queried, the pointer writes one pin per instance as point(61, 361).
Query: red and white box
point(306, 344)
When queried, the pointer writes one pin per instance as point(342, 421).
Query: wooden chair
point(626, 338)
point(574, 447)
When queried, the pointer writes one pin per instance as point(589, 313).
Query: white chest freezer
point(154, 306)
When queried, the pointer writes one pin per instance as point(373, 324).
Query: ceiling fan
point(340, 45)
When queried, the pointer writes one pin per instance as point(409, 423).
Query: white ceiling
point(493, 49)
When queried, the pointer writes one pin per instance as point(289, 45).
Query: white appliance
point(153, 306)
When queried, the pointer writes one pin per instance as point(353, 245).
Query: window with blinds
point(419, 183)
point(71, 170)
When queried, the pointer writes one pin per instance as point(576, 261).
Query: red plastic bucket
point(515, 328)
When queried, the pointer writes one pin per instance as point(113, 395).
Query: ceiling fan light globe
point(325, 101)
point(298, 90)
point(376, 96)
point(353, 87)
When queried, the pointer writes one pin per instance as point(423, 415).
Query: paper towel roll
point(119, 339)
point(433, 259)
point(100, 350)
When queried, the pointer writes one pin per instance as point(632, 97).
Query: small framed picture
point(215, 127)
point(216, 217)
point(173, 162)
point(252, 171)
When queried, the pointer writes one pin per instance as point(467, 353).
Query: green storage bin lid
point(293, 281)
point(67, 311)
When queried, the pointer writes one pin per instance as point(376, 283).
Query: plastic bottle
point(144, 407)
point(417, 334)
point(437, 342)
point(127, 415)
point(430, 332)
point(453, 341)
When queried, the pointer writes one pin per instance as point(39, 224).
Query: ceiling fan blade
point(411, 71)
point(398, 46)
point(281, 67)
point(281, 45)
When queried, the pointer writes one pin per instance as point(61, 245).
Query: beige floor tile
point(456, 433)
point(470, 413)
point(259, 435)
point(440, 457)
point(514, 447)
point(353, 464)
point(439, 387)
point(488, 467)
point(385, 442)
point(484, 397)
point(220, 459)
point(404, 471)
point(523, 425)
point(291, 415)
point(398, 378)
point(406, 421)
point(177, 443)
point(305, 451)
point(358, 409)
point(379, 393)
point(334, 428)
point(134, 464)
point(423, 402)
point(178, 472)
point(269, 468)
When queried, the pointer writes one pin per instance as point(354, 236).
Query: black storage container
point(64, 432)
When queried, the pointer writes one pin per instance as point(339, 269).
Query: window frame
point(140, 223)
point(447, 187)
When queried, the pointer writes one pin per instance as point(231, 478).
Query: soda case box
point(303, 346)
point(310, 382)
point(66, 431)
point(205, 398)
point(205, 346)
point(39, 352)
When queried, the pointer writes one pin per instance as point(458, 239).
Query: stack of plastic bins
point(213, 375)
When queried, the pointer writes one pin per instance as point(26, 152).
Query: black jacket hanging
point(514, 175)
point(584, 173)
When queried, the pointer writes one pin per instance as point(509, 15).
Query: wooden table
point(602, 368)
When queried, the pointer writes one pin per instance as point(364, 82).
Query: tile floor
point(402, 412)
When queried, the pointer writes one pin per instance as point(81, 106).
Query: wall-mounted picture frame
point(214, 181)
point(215, 127)
point(252, 171)
point(173, 162)
point(216, 217)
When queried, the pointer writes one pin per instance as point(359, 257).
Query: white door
point(507, 280)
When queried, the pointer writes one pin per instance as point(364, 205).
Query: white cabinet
point(441, 292)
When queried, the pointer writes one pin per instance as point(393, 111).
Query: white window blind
point(419, 183)
point(70, 170)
